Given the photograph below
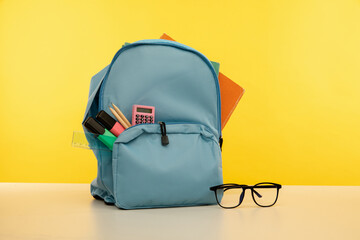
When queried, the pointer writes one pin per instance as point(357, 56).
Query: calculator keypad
point(140, 118)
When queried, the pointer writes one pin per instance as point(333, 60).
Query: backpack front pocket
point(150, 173)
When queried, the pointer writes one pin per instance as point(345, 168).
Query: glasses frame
point(244, 187)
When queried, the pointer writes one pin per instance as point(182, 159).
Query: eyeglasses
point(264, 194)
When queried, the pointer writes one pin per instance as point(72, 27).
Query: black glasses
point(231, 195)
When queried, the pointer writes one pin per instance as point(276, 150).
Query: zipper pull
point(164, 138)
point(221, 140)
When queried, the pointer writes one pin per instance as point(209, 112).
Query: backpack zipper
point(164, 137)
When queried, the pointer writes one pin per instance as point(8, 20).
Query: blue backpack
point(182, 85)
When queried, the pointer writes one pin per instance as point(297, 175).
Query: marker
point(103, 134)
point(109, 123)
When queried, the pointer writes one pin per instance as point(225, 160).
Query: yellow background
point(299, 61)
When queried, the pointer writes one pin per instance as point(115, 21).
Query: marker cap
point(93, 126)
point(105, 119)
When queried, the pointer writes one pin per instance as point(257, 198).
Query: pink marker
point(109, 123)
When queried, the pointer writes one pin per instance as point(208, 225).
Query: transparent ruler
point(87, 141)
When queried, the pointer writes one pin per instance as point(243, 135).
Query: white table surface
point(67, 211)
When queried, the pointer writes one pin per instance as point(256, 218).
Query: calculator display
point(144, 110)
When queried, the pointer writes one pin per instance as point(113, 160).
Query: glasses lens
point(265, 194)
point(229, 197)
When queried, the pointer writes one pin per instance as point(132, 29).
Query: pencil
point(121, 115)
point(119, 118)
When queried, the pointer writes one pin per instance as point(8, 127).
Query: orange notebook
point(230, 93)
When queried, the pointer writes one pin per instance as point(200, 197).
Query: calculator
point(143, 114)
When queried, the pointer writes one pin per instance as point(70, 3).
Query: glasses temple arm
point(257, 194)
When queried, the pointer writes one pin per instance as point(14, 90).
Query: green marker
point(104, 135)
